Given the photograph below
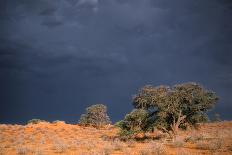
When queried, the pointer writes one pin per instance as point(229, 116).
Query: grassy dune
point(60, 138)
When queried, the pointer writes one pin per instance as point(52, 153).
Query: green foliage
point(96, 115)
point(119, 124)
point(168, 108)
point(176, 106)
point(135, 122)
point(35, 121)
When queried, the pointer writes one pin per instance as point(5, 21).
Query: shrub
point(58, 121)
point(216, 118)
point(35, 121)
point(133, 123)
point(96, 115)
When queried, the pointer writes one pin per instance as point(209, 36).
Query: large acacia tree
point(177, 106)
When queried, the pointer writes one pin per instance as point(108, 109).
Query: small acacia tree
point(134, 123)
point(96, 115)
point(171, 108)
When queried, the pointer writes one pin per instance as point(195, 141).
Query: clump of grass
point(22, 150)
point(230, 147)
point(38, 151)
point(107, 150)
point(145, 151)
point(117, 145)
point(153, 149)
point(42, 140)
point(193, 138)
point(178, 142)
point(181, 151)
point(89, 145)
point(74, 144)
point(130, 143)
point(2, 150)
point(202, 145)
point(104, 138)
point(158, 148)
point(60, 146)
point(214, 145)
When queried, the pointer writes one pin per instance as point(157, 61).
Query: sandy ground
point(68, 139)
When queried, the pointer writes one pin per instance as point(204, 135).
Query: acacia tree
point(96, 115)
point(177, 106)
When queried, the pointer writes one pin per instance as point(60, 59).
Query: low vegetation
point(35, 121)
point(61, 138)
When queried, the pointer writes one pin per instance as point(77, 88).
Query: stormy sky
point(58, 57)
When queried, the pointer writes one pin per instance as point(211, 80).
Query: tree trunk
point(176, 123)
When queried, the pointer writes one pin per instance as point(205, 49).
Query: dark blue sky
point(58, 57)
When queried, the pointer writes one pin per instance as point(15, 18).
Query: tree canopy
point(170, 108)
point(95, 115)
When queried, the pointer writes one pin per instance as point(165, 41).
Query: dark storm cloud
point(78, 52)
point(48, 12)
point(52, 24)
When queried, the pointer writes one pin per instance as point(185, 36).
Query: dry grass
point(107, 149)
point(178, 142)
point(194, 137)
point(2, 150)
point(60, 146)
point(153, 148)
point(38, 151)
point(212, 145)
point(181, 151)
point(118, 145)
point(22, 150)
point(61, 138)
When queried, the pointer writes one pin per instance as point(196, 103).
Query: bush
point(58, 121)
point(133, 123)
point(216, 118)
point(35, 121)
point(96, 115)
